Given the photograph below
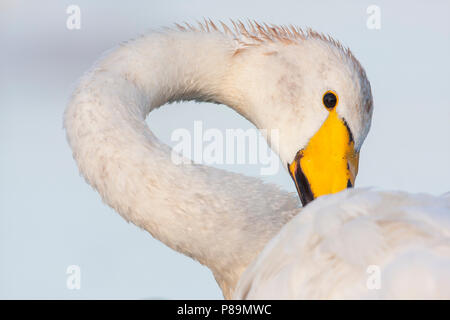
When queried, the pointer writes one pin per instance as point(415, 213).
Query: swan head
point(316, 94)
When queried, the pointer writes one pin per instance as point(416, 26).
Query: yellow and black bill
point(328, 163)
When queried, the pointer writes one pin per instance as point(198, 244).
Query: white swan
point(317, 95)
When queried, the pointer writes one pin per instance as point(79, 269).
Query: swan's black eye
point(329, 100)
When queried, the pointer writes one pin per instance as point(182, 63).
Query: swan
point(255, 238)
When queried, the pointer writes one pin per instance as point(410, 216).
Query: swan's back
point(358, 244)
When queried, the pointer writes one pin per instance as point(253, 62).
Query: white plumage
point(357, 244)
point(275, 77)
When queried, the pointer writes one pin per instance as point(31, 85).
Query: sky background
point(50, 218)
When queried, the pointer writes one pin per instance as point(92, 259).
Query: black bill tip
point(349, 184)
point(302, 185)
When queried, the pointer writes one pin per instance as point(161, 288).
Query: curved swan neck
point(220, 219)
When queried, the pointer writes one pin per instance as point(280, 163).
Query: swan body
point(277, 78)
point(357, 244)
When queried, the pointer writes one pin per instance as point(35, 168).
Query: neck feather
point(221, 219)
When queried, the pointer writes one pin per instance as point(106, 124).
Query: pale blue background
point(50, 218)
